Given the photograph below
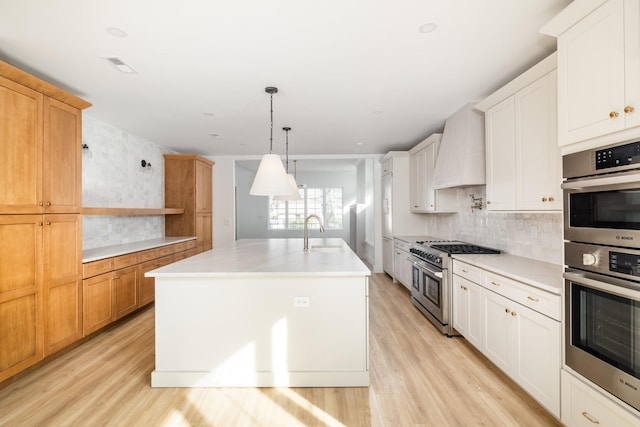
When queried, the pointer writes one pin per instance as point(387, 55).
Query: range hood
point(461, 158)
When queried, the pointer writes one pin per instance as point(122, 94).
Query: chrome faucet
point(306, 229)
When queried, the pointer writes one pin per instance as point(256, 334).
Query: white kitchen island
point(263, 313)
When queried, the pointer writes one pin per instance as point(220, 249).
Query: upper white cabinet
point(598, 69)
point(424, 197)
point(523, 158)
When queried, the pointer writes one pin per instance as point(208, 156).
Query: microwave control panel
point(622, 155)
point(624, 263)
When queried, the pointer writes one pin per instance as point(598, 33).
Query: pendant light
point(294, 193)
point(271, 178)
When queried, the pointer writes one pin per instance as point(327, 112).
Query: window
point(290, 215)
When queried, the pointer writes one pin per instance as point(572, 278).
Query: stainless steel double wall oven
point(602, 279)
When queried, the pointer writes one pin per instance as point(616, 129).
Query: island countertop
point(265, 257)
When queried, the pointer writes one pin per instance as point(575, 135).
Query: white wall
point(112, 176)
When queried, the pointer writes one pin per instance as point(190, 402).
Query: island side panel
point(258, 331)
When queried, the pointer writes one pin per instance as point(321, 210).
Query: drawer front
point(402, 245)
point(148, 255)
point(164, 251)
point(468, 271)
point(126, 260)
point(94, 268)
point(179, 247)
point(191, 244)
point(191, 252)
point(529, 296)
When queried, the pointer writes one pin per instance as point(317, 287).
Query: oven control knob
point(589, 259)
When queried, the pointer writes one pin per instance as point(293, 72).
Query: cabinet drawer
point(94, 268)
point(468, 271)
point(537, 300)
point(125, 260)
point(148, 255)
point(191, 244)
point(164, 251)
point(191, 252)
point(402, 245)
point(584, 406)
point(179, 247)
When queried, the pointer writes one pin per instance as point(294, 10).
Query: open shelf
point(132, 211)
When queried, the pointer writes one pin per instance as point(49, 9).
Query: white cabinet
point(387, 256)
point(424, 198)
point(516, 326)
point(401, 265)
point(523, 158)
point(467, 310)
point(598, 69)
point(584, 406)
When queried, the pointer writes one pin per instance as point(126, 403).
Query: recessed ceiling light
point(359, 143)
point(117, 32)
point(208, 114)
point(214, 135)
point(429, 27)
point(119, 64)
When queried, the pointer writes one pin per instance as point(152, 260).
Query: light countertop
point(542, 275)
point(269, 257)
point(127, 248)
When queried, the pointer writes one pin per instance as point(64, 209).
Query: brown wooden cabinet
point(98, 302)
point(126, 282)
point(188, 185)
point(40, 229)
point(147, 284)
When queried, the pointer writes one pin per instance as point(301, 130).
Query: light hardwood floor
point(418, 377)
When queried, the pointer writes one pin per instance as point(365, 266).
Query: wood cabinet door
point(126, 290)
point(62, 189)
point(591, 81)
point(98, 302)
point(147, 284)
point(21, 320)
point(203, 187)
point(537, 153)
point(62, 280)
point(203, 232)
point(501, 154)
point(21, 119)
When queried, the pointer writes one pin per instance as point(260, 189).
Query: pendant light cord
point(286, 147)
point(271, 135)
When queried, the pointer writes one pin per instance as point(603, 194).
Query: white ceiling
point(354, 76)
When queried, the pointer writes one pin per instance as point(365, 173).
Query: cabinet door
point(126, 290)
point(537, 350)
point(203, 187)
point(591, 75)
point(429, 196)
point(20, 149)
point(496, 333)
point(417, 163)
point(387, 203)
point(62, 281)
point(537, 152)
point(402, 267)
point(387, 256)
point(203, 233)
point(20, 292)
point(632, 63)
point(147, 284)
point(98, 302)
point(62, 189)
point(467, 310)
point(501, 155)
point(460, 296)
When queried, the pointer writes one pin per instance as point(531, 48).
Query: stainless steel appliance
point(602, 196)
point(431, 278)
point(602, 278)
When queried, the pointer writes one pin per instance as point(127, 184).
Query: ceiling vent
point(119, 64)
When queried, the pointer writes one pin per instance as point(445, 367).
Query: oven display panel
point(618, 156)
point(624, 263)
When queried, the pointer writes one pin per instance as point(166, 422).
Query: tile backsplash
point(112, 176)
point(531, 235)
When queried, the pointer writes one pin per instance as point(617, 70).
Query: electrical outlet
point(301, 302)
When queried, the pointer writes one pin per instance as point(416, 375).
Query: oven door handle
point(423, 266)
point(601, 182)
point(612, 286)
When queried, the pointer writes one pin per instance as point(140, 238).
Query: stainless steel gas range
point(431, 278)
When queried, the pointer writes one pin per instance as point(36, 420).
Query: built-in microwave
point(602, 196)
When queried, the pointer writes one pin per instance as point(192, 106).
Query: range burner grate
point(464, 248)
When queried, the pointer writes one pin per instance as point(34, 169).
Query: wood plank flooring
point(418, 378)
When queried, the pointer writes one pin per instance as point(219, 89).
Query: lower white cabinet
point(582, 406)
point(401, 265)
point(521, 341)
point(387, 255)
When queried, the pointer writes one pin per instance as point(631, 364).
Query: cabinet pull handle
point(463, 287)
point(494, 283)
point(47, 223)
point(48, 204)
point(629, 109)
point(613, 114)
point(534, 299)
point(590, 417)
point(465, 271)
point(513, 313)
point(551, 199)
point(488, 202)
point(506, 310)
point(116, 277)
point(39, 223)
point(40, 203)
point(544, 199)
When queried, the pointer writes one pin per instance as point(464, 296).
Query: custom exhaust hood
point(461, 158)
